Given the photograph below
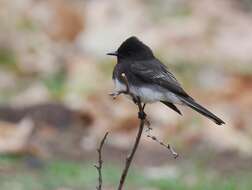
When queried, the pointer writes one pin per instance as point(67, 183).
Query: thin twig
point(100, 162)
point(167, 146)
point(141, 116)
point(131, 155)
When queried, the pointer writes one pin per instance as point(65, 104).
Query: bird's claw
point(142, 116)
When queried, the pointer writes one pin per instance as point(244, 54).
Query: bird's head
point(133, 49)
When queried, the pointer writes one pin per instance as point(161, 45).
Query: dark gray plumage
point(150, 80)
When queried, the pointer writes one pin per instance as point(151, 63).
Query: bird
point(150, 80)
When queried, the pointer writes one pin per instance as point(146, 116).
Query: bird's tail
point(194, 105)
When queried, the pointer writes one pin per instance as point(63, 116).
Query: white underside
point(149, 94)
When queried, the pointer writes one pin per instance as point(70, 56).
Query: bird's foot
point(142, 115)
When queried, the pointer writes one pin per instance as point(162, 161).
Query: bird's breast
point(148, 93)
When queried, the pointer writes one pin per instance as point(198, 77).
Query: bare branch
point(100, 162)
point(131, 155)
point(167, 146)
point(142, 117)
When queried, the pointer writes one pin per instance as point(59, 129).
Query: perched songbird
point(150, 80)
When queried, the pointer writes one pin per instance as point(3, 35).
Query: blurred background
point(55, 79)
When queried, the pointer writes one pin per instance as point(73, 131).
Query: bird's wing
point(153, 71)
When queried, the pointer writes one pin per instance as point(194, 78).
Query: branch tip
point(100, 162)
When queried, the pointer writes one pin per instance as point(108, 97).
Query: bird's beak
point(113, 53)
